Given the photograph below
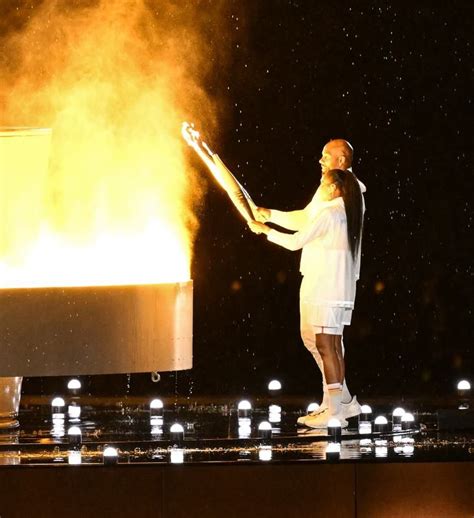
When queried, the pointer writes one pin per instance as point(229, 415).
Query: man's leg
point(309, 341)
point(333, 369)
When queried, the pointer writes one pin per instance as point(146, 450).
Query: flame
point(116, 204)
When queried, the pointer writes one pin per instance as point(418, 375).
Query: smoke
point(114, 79)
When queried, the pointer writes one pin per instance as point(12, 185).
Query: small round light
point(380, 424)
point(110, 455)
point(312, 407)
point(408, 421)
point(397, 418)
point(57, 402)
point(75, 435)
point(177, 432)
point(398, 412)
point(274, 409)
point(244, 408)
point(74, 385)
point(265, 430)
point(156, 408)
point(464, 385)
point(464, 392)
point(365, 415)
point(274, 386)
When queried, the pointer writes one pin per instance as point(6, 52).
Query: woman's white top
point(298, 219)
point(326, 260)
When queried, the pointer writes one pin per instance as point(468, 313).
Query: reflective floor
point(86, 428)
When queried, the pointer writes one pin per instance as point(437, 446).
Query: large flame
point(114, 79)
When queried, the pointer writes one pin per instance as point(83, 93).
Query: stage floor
point(213, 433)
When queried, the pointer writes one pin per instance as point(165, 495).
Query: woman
point(331, 245)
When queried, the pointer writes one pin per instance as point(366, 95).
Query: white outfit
point(328, 286)
point(317, 265)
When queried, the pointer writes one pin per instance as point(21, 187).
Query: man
point(336, 154)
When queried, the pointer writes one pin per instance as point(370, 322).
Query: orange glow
point(115, 204)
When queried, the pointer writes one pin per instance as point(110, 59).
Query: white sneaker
point(351, 409)
point(301, 421)
point(321, 420)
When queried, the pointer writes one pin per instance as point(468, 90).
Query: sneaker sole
point(344, 425)
point(301, 420)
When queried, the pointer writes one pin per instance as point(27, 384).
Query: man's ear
point(341, 160)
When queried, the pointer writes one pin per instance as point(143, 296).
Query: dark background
point(396, 82)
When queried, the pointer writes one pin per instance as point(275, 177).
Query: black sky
point(396, 82)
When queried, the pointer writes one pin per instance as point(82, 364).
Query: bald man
point(336, 154)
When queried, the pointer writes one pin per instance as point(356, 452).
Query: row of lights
point(401, 421)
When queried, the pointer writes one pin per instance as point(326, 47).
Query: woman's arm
point(292, 220)
point(316, 228)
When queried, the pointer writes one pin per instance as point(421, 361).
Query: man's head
point(336, 154)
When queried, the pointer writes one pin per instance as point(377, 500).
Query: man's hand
point(258, 228)
point(262, 214)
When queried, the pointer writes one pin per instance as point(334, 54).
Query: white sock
point(325, 401)
point(335, 396)
point(346, 395)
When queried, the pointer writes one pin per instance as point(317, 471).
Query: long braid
point(352, 196)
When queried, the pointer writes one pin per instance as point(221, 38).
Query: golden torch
point(237, 194)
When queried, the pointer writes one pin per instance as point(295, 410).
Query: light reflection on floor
point(211, 433)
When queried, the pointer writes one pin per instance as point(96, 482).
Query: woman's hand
point(258, 228)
